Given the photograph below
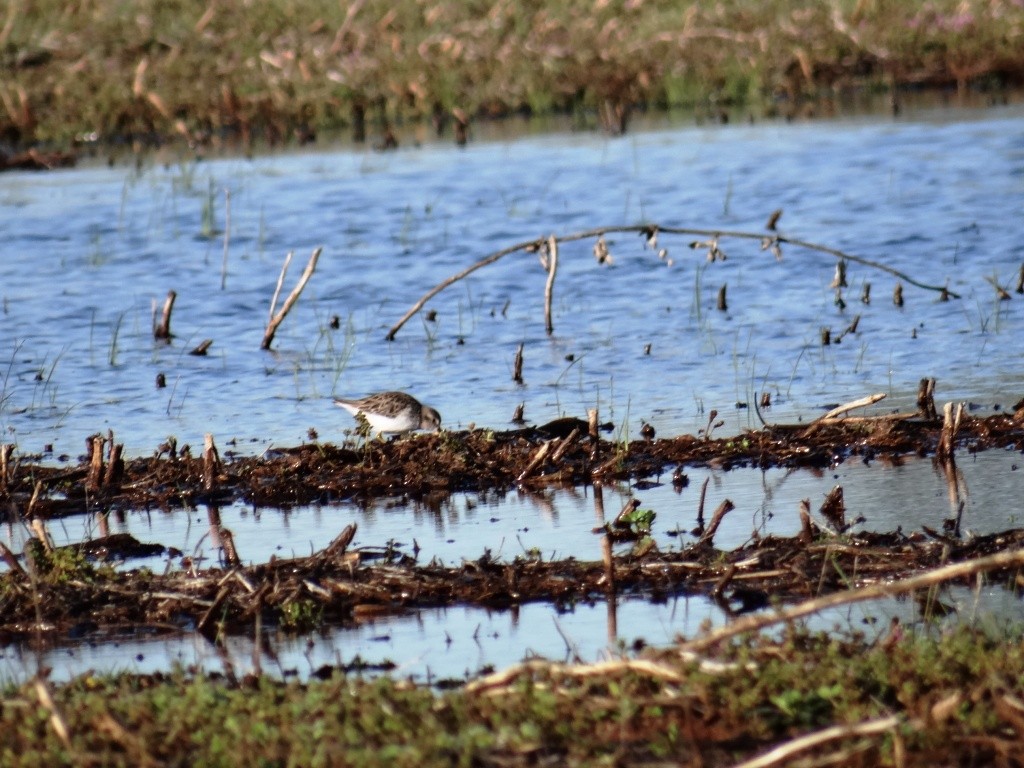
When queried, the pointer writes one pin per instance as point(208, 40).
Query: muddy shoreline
point(560, 453)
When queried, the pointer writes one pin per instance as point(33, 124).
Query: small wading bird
point(392, 412)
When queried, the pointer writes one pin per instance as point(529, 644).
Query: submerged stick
point(276, 319)
point(772, 241)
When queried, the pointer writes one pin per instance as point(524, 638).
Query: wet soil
point(560, 453)
point(50, 594)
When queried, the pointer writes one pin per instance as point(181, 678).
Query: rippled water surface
point(88, 253)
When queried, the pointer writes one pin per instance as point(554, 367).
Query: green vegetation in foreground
point(148, 69)
point(958, 699)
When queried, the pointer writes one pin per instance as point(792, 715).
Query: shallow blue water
point(88, 253)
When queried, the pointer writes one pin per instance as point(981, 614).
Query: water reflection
point(911, 495)
point(455, 643)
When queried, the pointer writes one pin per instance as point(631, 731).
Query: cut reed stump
point(162, 330)
point(211, 462)
point(95, 477)
point(926, 399)
point(277, 318)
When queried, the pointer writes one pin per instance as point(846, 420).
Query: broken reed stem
point(517, 366)
point(6, 475)
point(784, 753)
point(565, 445)
point(57, 722)
point(700, 504)
point(609, 561)
point(205, 626)
point(280, 282)
point(276, 319)
point(999, 561)
point(95, 477)
point(162, 330)
point(12, 560)
point(115, 465)
point(42, 535)
point(227, 543)
point(227, 239)
point(592, 431)
point(336, 549)
point(722, 304)
point(926, 399)
point(532, 246)
point(549, 286)
point(716, 520)
point(950, 426)
point(806, 526)
point(852, 405)
point(36, 490)
point(538, 457)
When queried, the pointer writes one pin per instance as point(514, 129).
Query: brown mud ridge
point(428, 465)
point(49, 594)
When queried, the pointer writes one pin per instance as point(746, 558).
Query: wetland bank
point(717, 503)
